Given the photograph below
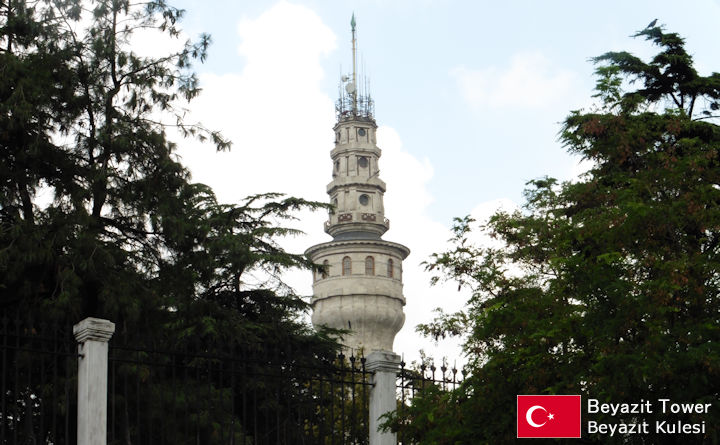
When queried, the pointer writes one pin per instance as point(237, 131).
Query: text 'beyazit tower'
point(360, 285)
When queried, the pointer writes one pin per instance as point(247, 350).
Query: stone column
point(384, 366)
point(92, 335)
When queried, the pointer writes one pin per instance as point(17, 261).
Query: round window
point(361, 132)
point(364, 199)
point(363, 162)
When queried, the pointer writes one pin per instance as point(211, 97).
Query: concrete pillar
point(384, 366)
point(92, 335)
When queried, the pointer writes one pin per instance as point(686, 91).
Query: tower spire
point(354, 102)
point(354, 58)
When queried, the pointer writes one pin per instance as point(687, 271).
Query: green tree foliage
point(608, 286)
point(97, 215)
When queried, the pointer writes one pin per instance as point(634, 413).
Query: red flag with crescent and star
point(549, 416)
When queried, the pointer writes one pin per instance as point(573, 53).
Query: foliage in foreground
point(608, 286)
point(97, 215)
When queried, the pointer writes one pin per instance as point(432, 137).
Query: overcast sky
point(469, 99)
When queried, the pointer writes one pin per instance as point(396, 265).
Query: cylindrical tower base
point(373, 320)
point(359, 289)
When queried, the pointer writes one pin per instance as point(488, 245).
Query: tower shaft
point(359, 286)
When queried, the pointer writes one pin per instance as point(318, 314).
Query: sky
point(469, 99)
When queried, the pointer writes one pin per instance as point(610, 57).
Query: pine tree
point(126, 235)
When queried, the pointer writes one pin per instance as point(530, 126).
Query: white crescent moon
point(528, 416)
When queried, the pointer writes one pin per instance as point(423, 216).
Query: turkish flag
point(549, 416)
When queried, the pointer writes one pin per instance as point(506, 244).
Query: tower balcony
point(364, 216)
point(357, 222)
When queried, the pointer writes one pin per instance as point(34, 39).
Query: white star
point(551, 416)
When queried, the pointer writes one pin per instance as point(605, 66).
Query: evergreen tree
point(606, 287)
point(126, 235)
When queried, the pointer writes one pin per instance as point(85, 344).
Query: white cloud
point(406, 203)
point(278, 118)
point(153, 43)
point(279, 44)
point(280, 121)
point(407, 198)
point(529, 82)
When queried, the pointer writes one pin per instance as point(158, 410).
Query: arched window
point(369, 266)
point(390, 265)
point(325, 270)
point(346, 266)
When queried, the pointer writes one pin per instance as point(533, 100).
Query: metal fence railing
point(38, 383)
point(161, 397)
point(239, 396)
point(413, 381)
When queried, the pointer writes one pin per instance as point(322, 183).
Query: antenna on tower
point(355, 101)
point(353, 93)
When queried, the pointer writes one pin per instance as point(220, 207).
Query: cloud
point(279, 44)
point(407, 197)
point(529, 82)
point(277, 116)
point(274, 111)
point(280, 121)
point(406, 204)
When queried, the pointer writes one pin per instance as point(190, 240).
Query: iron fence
point(180, 397)
point(247, 397)
point(416, 378)
point(242, 396)
point(413, 381)
point(38, 385)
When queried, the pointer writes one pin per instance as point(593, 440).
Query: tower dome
point(359, 287)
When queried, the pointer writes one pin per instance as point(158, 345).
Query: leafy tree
point(607, 286)
point(125, 235)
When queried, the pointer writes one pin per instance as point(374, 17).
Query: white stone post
point(384, 366)
point(92, 335)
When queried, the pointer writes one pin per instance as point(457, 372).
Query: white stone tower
point(360, 285)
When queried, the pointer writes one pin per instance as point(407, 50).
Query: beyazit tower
point(360, 285)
